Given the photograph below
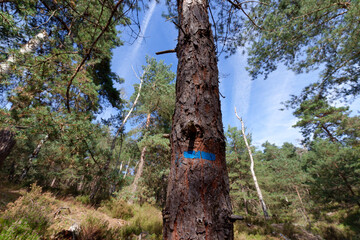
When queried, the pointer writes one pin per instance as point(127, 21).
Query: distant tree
point(331, 160)
point(284, 180)
point(156, 105)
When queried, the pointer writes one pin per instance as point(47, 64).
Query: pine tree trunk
point(7, 142)
point(141, 166)
point(198, 203)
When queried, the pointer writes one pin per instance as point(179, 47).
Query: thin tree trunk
point(27, 48)
point(53, 182)
point(32, 157)
point(97, 182)
point(245, 202)
point(127, 169)
point(303, 207)
point(258, 190)
point(198, 203)
point(141, 166)
point(7, 142)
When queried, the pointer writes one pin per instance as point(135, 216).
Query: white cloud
point(241, 89)
point(125, 68)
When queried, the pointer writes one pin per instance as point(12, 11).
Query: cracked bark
point(198, 204)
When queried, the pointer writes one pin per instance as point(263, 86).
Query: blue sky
point(258, 102)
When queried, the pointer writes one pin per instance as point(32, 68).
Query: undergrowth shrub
point(19, 230)
point(147, 220)
point(117, 208)
point(93, 228)
point(84, 199)
point(33, 209)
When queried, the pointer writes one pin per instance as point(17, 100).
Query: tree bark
point(127, 169)
point(258, 190)
point(141, 166)
point(7, 142)
point(27, 48)
point(32, 157)
point(198, 203)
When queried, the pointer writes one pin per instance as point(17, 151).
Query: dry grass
point(47, 214)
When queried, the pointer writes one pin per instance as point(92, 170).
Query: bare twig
point(46, 20)
point(166, 51)
point(238, 6)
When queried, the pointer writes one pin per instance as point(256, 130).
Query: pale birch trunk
point(27, 48)
point(127, 168)
point(258, 190)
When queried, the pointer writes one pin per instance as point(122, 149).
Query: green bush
point(84, 199)
point(19, 230)
point(34, 209)
point(93, 228)
point(117, 208)
point(147, 220)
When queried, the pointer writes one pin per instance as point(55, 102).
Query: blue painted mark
point(208, 156)
point(199, 155)
point(192, 154)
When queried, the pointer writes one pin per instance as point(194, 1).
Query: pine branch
point(87, 55)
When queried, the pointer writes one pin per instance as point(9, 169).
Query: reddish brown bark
point(198, 203)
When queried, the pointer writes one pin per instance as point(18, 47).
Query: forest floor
point(65, 211)
point(57, 214)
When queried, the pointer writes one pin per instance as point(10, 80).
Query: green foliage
point(147, 219)
point(19, 230)
point(305, 36)
point(157, 95)
point(33, 211)
point(318, 119)
point(117, 208)
point(242, 189)
point(95, 228)
point(84, 199)
point(339, 163)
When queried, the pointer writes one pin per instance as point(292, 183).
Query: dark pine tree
point(198, 203)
